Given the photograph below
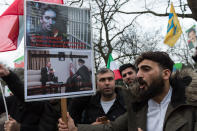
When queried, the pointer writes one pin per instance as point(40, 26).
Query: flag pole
point(64, 110)
point(5, 105)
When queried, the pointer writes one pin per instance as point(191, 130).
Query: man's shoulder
point(184, 84)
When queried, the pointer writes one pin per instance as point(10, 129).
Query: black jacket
point(27, 114)
point(87, 109)
point(31, 115)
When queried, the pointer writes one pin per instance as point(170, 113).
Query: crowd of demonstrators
point(32, 116)
point(159, 100)
point(128, 73)
point(156, 100)
point(107, 104)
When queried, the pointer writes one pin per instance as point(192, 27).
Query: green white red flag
point(111, 64)
point(19, 62)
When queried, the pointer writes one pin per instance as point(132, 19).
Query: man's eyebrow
point(105, 77)
point(144, 66)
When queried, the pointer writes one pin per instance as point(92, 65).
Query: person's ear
point(166, 74)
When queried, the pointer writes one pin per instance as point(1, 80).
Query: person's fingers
point(71, 124)
point(96, 123)
point(61, 125)
point(7, 127)
point(6, 122)
point(61, 121)
point(69, 117)
point(63, 130)
point(10, 118)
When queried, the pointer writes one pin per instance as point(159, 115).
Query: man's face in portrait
point(49, 65)
point(48, 20)
point(192, 36)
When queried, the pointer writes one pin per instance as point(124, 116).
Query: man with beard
point(159, 101)
point(128, 73)
point(108, 103)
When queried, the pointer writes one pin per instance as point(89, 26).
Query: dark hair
point(103, 71)
point(162, 58)
point(125, 66)
point(81, 61)
point(45, 8)
point(190, 30)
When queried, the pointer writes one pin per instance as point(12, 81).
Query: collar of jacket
point(95, 100)
point(184, 85)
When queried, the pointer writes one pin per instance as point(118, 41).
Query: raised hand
point(3, 71)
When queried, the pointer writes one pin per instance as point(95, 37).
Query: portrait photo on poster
point(57, 26)
point(191, 36)
point(59, 73)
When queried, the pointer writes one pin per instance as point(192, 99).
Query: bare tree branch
point(157, 14)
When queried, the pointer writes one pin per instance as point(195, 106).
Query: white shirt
point(106, 105)
point(156, 113)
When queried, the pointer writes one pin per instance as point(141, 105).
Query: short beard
point(155, 88)
point(107, 95)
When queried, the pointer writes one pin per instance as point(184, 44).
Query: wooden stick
point(64, 109)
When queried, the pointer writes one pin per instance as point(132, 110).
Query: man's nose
point(127, 76)
point(106, 81)
point(50, 21)
point(139, 74)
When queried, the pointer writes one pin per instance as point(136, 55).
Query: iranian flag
point(12, 25)
point(19, 63)
point(112, 65)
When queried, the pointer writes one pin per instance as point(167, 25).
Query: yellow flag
point(174, 29)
